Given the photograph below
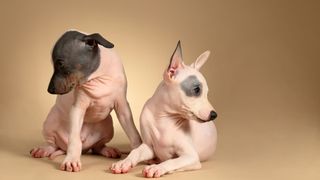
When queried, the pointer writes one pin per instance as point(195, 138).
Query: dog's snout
point(213, 115)
point(51, 89)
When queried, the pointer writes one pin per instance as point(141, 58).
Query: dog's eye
point(197, 90)
point(59, 63)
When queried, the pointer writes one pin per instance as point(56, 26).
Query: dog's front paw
point(154, 171)
point(71, 164)
point(122, 166)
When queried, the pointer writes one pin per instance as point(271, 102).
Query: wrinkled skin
point(176, 122)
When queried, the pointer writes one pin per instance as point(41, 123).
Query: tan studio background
point(263, 75)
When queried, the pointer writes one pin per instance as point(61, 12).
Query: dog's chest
point(163, 147)
point(165, 139)
point(99, 109)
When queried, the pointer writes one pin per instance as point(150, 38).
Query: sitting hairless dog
point(90, 82)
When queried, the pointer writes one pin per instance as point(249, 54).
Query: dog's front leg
point(124, 115)
point(187, 159)
point(72, 161)
point(142, 153)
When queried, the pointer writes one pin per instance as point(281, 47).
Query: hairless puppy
point(176, 122)
point(90, 82)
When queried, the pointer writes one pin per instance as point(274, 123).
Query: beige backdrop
point(263, 76)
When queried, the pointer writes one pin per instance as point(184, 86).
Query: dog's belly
point(55, 129)
point(91, 133)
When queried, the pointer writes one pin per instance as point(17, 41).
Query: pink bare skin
point(176, 122)
point(80, 120)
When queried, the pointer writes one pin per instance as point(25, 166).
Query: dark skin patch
point(75, 56)
point(191, 86)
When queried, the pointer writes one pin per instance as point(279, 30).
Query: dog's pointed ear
point(93, 39)
point(176, 61)
point(201, 60)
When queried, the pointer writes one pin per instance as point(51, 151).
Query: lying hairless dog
point(91, 82)
point(176, 122)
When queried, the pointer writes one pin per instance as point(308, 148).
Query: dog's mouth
point(202, 121)
point(68, 89)
point(199, 119)
point(64, 89)
point(190, 115)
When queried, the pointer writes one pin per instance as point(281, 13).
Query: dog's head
point(189, 86)
point(75, 56)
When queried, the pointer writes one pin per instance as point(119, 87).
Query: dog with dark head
point(90, 82)
point(75, 56)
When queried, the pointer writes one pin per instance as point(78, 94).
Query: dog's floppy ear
point(96, 38)
point(200, 60)
point(176, 61)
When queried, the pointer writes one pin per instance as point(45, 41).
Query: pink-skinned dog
point(176, 123)
point(90, 82)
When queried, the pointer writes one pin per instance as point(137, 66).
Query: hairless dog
point(176, 122)
point(90, 82)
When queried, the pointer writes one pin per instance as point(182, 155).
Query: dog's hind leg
point(57, 153)
point(44, 151)
point(106, 133)
point(52, 147)
point(107, 151)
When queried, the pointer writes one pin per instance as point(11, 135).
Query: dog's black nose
point(213, 115)
point(51, 89)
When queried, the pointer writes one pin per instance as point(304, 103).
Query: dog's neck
point(109, 65)
point(109, 72)
point(166, 101)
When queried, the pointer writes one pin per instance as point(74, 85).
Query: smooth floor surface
point(285, 151)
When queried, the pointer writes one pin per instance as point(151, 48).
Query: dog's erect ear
point(176, 61)
point(200, 60)
point(94, 39)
